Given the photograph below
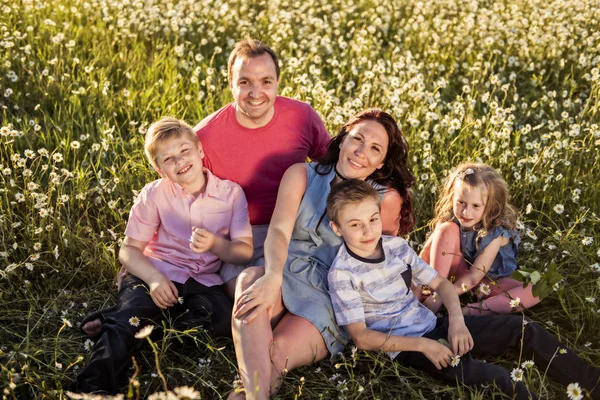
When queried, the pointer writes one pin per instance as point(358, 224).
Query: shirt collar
point(211, 189)
point(368, 260)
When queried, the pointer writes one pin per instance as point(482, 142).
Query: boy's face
point(180, 160)
point(360, 226)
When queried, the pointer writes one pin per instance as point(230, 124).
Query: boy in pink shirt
point(181, 228)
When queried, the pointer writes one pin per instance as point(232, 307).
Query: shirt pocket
point(407, 277)
point(218, 222)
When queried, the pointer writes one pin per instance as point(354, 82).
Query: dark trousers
point(203, 307)
point(493, 335)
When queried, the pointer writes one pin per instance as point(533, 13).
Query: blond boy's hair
point(165, 129)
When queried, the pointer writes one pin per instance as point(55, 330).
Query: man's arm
point(320, 136)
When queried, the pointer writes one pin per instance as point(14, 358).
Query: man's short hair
point(249, 48)
point(351, 191)
point(164, 129)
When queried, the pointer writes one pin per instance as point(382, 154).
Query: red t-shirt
point(257, 158)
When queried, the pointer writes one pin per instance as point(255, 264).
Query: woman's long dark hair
point(394, 173)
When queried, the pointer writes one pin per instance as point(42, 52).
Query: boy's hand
point(459, 336)
point(260, 296)
point(202, 240)
point(432, 303)
point(163, 291)
point(439, 355)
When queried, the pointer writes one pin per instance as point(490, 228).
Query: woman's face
point(363, 150)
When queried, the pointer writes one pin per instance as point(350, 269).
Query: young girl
point(474, 241)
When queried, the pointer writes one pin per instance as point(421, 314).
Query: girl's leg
point(442, 251)
point(498, 301)
point(253, 343)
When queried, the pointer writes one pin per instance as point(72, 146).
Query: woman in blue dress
point(283, 317)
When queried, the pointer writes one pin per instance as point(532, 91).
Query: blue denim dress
point(312, 249)
point(505, 262)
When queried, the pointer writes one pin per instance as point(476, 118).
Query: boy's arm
point(458, 335)
point(131, 255)
point(237, 251)
point(368, 339)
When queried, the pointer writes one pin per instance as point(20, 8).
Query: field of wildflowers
point(515, 84)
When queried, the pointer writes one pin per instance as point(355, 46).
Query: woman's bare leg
point(296, 342)
point(253, 342)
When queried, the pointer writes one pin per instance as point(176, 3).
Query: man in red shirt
point(254, 140)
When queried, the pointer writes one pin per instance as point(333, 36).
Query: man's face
point(254, 86)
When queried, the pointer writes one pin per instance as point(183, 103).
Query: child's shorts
point(259, 234)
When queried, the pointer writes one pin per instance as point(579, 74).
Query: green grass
point(518, 81)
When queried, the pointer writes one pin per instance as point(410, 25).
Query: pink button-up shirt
point(164, 213)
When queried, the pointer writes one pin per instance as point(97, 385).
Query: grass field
point(514, 83)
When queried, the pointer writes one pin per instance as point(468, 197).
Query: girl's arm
point(391, 205)
point(131, 255)
point(482, 264)
point(264, 292)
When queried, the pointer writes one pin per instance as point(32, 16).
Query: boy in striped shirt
point(370, 287)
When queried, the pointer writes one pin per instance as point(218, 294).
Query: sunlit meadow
point(515, 84)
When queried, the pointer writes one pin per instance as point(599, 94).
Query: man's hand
point(202, 240)
point(439, 355)
point(163, 291)
point(261, 296)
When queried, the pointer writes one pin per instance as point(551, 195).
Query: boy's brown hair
point(351, 191)
point(164, 129)
point(249, 48)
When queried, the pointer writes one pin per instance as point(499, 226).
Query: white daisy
point(527, 364)
point(455, 360)
point(484, 289)
point(574, 391)
point(517, 374)
point(515, 302)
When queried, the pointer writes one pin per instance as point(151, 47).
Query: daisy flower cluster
point(514, 84)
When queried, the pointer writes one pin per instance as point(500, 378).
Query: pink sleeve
point(240, 221)
point(144, 219)
point(321, 137)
